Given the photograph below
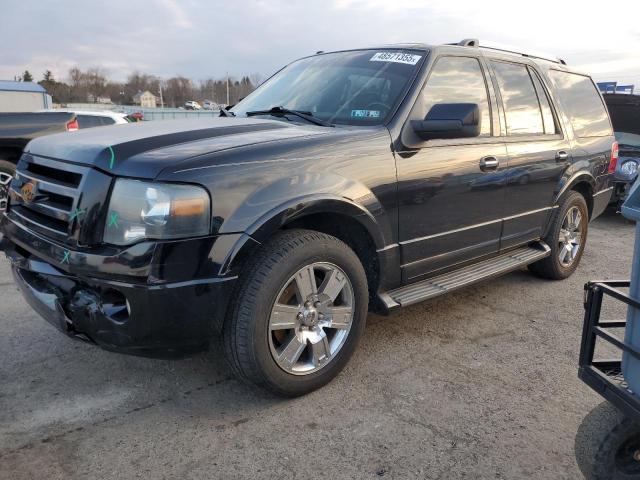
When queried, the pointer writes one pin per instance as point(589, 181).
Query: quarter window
point(458, 80)
point(522, 110)
point(582, 104)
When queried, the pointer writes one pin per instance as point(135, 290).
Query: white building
point(23, 97)
point(145, 99)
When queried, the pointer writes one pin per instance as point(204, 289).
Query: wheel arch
point(584, 184)
point(339, 217)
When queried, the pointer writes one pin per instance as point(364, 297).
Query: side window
point(88, 121)
point(519, 98)
point(108, 121)
point(548, 119)
point(582, 104)
point(458, 80)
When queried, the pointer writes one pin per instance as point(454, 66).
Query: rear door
point(537, 149)
point(451, 200)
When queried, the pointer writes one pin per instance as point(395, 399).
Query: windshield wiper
point(277, 111)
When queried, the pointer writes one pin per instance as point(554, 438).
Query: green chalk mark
point(113, 220)
point(76, 213)
point(65, 259)
point(113, 157)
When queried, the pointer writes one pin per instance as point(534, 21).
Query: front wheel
point(567, 237)
point(300, 312)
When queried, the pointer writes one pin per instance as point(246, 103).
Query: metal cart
point(617, 452)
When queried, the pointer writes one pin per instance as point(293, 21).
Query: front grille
point(45, 194)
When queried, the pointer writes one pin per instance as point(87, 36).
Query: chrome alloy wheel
point(570, 238)
point(311, 318)
point(5, 180)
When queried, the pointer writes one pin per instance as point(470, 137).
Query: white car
point(98, 118)
point(192, 105)
point(209, 105)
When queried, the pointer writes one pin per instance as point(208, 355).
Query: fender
point(262, 229)
point(298, 208)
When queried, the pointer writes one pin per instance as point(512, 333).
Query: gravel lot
point(478, 384)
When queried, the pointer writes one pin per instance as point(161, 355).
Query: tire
point(272, 321)
point(7, 169)
point(608, 445)
point(552, 267)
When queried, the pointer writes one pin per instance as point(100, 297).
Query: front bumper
point(169, 319)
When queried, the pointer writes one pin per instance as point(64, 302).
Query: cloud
point(201, 39)
point(178, 13)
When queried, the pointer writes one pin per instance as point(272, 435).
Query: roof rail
point(474, 42)
point(469, 42)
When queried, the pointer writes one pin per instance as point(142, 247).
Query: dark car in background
point(18, 129)
point(624, 110)
point(350, 181)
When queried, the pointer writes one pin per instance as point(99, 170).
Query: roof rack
point(474, 42)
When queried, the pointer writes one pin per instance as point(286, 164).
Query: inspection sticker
point(396, 57)
point(365, 113)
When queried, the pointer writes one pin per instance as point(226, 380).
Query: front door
point(451, 192)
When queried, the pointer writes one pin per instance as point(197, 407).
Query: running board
point(450, 281)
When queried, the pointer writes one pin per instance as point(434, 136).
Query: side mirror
point(449, 120)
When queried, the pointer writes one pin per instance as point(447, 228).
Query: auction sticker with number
point(396, 57)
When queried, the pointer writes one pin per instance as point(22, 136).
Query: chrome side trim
point(530, 212)
point(457, 230)
point(603, 191)
point(388, 247)
point(470, 227)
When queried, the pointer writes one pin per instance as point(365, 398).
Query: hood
point(144, 149)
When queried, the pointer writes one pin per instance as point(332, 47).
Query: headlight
point(140, 210)
point(629, 168)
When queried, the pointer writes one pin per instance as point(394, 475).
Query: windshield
point(351, 88)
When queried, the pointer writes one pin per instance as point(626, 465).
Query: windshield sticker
point(396, 57)
point(365, 113)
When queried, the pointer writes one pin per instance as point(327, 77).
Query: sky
point(201, 39)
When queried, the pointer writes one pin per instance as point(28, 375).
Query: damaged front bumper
point(168, 320)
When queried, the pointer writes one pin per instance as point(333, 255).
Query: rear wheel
point(566, 238)
point(300, 312)
point(7, 169)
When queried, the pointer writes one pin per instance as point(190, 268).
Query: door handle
point(489, 163)
point(562, 156)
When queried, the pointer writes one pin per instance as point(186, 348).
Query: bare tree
point(177, 91)
point(96, 83)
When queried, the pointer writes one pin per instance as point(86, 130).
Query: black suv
point(349, 181)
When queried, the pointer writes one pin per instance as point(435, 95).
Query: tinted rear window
point(582, 103)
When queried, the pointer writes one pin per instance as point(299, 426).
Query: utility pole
point(227, 89)
point(161, 100)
